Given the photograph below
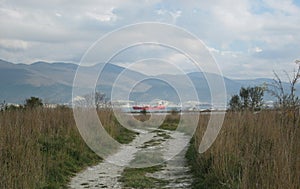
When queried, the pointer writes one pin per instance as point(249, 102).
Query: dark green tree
point(33, 102)
point(235, 103)
point(250, 98)
point(256, 97)
point(245, 97)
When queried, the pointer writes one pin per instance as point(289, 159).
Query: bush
point(33, 102)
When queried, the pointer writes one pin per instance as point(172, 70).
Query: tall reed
point(253, 150)
point(42, 148)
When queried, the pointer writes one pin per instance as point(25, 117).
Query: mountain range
point(53, 83)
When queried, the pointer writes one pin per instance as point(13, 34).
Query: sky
point(247, 38)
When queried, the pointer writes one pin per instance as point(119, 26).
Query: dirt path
point(175, 172)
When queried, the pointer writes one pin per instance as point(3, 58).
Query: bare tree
point(94, 100)
point(286, 98)
point(3, 106)
point(100, 100)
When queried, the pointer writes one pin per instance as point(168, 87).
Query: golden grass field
point(253, 150)
point(41, 148)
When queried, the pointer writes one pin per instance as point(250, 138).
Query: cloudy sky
point(247, 38)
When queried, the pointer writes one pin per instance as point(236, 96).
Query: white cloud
point(255, 50)
point(10, 13)
point(58, 14)
point(246, 36)
point(173, 14)
point(107, 16)
point(11, 44)
point(286, 6)
point(161, 12)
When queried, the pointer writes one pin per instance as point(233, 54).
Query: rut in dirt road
point(159, 143)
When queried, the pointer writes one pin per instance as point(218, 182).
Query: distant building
point(50, 105)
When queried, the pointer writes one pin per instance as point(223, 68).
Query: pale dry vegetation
point(253, 150)
point(42, 148)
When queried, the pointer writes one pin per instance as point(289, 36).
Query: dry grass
point(41, 148)
point(252, 151)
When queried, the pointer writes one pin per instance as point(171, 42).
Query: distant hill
point(50, 81)
point(53, 83)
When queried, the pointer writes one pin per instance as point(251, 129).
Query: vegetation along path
point(150, 147)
